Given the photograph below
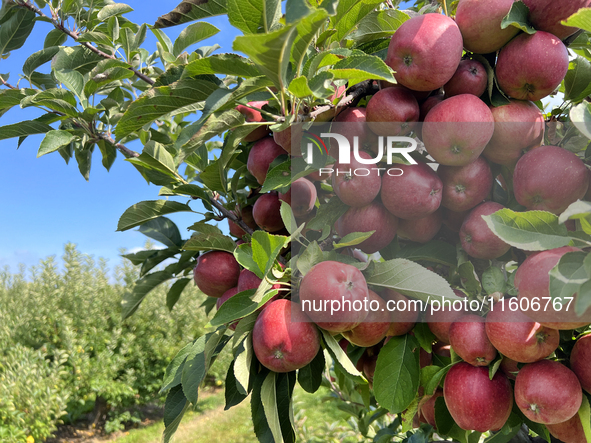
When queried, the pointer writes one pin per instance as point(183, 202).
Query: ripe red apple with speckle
point(414, 194)
point(464, 187)
point(373, 329)
point(425, 52)
point(549, 178)
point(518, 337)
point(470, 78)
point(404, 314)
point(440, 321)
point(530, 67)
point(327, 284)
point(457, 130)
point(548, 392)
point(570, 431)
point(283, 337)
point(422, 230)
point(260, 157)
point(267, 212)
point(475, 401)
point(547, 15)
point(579, 361)
point(480, 24)
point(216, 272)
point(467, 337)
point(477, 239)
point(253, 116)
point(359, 188)
point(392, 111)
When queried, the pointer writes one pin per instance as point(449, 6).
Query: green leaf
point(579, 210)
point(328, 214)
point(396, 379)
point(265, 249)
point(254, 16)
point(147, 210)
point(159, 101)
point(77, 58)
point(378, 24)
point(358, 68)
point(339, 356)
point(288, 218)
point(39, 58)
point(585, 417)
point(311, 256)
point(55, 37)
point(132, 300)
point(269, 400)
point(434, 251)
point(229, 64)
point(259, 421)
point(531, 231)
point(270, 52)
point(174, 370)
point(577, 82)
point(433, 382)
point(96, 37)
point(232, 394)
point(193, 34)
point(54, 140)
point(278, 178)
point(518, 16)
point(352, 239)
point(60, 100)
point(411, 279)
point(174, 408)
point(10, 98)
point(493, 280)
point(243, 361)
point(174, 293)
point(190, 10)
point(242, 304)
point(310, 376)
point(14, 31)
point(580, 19)
point(306, 32)
point(580, 115)
point(23, 129)
point(162, 230)
point(349, 14)
point(209, 241)
point(72, 80)
point(155, 156)
point(568, 278)
point(299, 87)
point(112, 10)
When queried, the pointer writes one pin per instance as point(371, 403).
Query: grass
point(317, 421)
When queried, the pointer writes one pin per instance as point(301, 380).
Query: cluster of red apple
point(463, 135)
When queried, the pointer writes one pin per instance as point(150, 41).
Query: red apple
point(260, 157)
point(292, 136)
point(519, 127)
point(547, 15)
point(427, 407)
point(470, 78)
point(570, 431)
point(467, 337)
point(216, 272)
point(283, 338)
point(457, 130)
point(403, 314)
point(246, 214)
point(373, 329)
point(474, 400)
point(329, 294)
point(579, 361)
point(373, 217)
point(480, 24)
point(429, 104)
point(425, 52)
point(422, 230)
point(266, 212)
point(530, 67)
point(517, 337)
point(547, 392)
point(414, 194)
point(440, 321)
point(533, 282)
point(355, 183)
point(464, 187)
point(392, 111)
point(509, 367)
point(254, 116)
point(454, 220)
point(302, 196)
point(549, 178)
point(350, 123)
point(477, 238)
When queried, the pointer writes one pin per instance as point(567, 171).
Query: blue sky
point(47, 203)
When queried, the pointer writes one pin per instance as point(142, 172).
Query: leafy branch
point(59, 25)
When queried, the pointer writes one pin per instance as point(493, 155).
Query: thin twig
point(356, 93)
point(5, 83)
point(231, 215)
point(128, 153)
point(75, 36)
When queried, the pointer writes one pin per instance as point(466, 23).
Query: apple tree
point(403, 157)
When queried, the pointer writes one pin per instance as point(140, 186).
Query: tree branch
point(75, 36)
point(231, 215)
point(128, 153)
point(5, 83)
point(355, 94)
